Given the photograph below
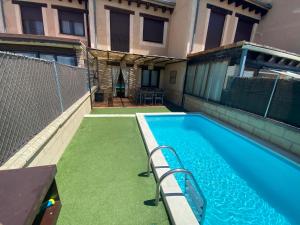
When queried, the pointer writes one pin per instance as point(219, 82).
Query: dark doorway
point(120, 88)
point(119, 31)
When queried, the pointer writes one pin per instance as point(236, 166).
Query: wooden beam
point(162, 61)
point(123, 57)
point(154, 17)
point(251, 8)
point(151, 60)
point(138, 58)
point(291, 63)
point(245, 6)
point(282, 61)
point(273, 65)
point(238, 3)
point(116, 9)
point(272, 59)
point(230, 2)
point(260, 57)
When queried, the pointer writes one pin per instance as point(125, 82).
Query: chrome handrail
point(160, 148)
point(180, 170)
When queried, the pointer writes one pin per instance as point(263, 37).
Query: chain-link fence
point(33, 93)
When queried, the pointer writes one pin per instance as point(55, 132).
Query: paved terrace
point(98, 175)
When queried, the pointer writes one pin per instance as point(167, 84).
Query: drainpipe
point(195, 25)
point(95, 22)
point(2, 16)
point(87, 23)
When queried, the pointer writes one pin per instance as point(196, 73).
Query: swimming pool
point(243, 181)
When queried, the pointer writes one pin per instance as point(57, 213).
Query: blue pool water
point(243, 181)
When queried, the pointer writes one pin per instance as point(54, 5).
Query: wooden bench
point(22, 192)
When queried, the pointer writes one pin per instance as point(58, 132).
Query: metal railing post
point(187, 172)
point(271, 96)
point(58, 87)
point(160, 148)
point(88, 76)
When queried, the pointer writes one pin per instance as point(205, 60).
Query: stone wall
point(105, 79)
point(277, 133)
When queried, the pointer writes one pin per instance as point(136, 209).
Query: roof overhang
point(39, 40)
point(256, 6)
point(132, 58)
point(257, 55)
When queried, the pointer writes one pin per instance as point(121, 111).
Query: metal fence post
point(271, 96)
point(88, 76)
point(58, 87)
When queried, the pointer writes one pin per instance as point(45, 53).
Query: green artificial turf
point(130, 110)
point(98, 176)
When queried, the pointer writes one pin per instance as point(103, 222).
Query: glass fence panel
point(216, 80)
point(190, 78)
point(200, 79)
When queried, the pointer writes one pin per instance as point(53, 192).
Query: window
point(32, 20)
point(68, 60)
point(63, 59)
point(215, 30)
point(200, 79)
point(206, 79)
point(190, 76)
point(71, 23)
point(153, 30)
point(215, 81)
point(28, 54)
point(49, 57)
point(119, 31)
point(150, 78)
point(215, 26)
point(244, 28)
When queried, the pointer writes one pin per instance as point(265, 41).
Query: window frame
point(72, 29)
point(146, 41)
point(245, 19)
point(150, 78)
point(38, 56)
point(217, 11)
point(32, 6)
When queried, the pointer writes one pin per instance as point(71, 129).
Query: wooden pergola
point(132, 58)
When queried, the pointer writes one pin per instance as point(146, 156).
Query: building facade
point(280, 28)
point(52, 30)
point(61, 29)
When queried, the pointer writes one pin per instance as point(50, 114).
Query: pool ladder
point(174, 171)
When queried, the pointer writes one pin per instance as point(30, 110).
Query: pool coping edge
point(177, 205)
